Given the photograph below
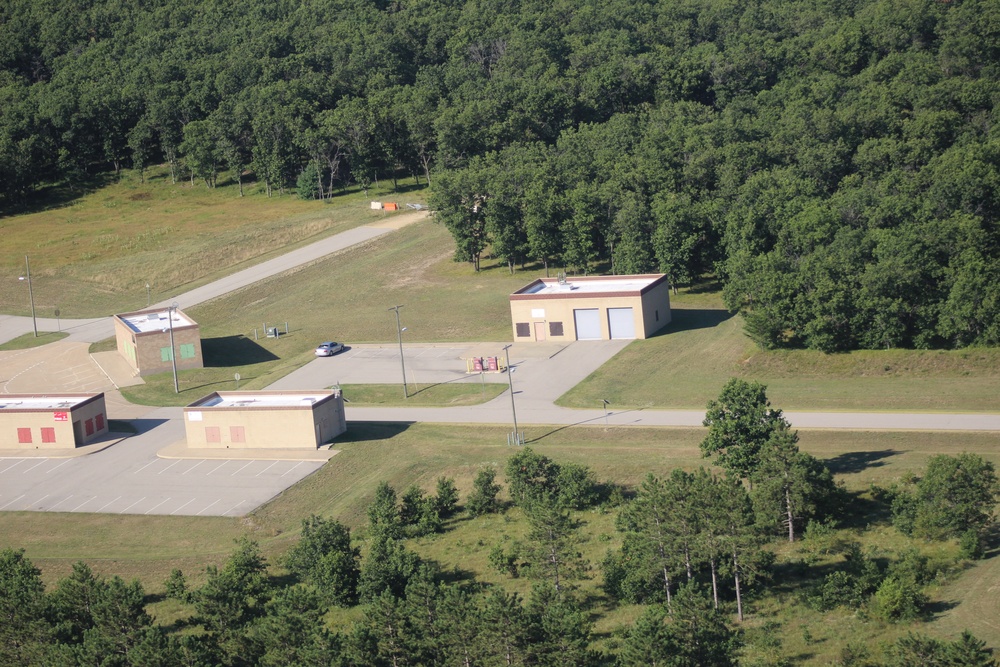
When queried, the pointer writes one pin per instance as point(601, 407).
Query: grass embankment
point(686, 365)
point(148, 548)
point(31, 340)
point(445, 394)
point(94, 254)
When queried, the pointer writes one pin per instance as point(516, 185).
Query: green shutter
point(187, 351)
point(166, 354)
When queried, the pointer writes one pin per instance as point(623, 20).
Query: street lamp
point(173, 357)
point(510, 382)
point(31, 296)
point(399, 336)
point(147, 295)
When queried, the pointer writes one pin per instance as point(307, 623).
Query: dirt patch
point(141, 196)
point(416, 274)
point(399, 220)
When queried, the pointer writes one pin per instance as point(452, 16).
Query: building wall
point(266, 427)
point(145, 351)
point(553, 309)
point(58, 423)
point(656, 308)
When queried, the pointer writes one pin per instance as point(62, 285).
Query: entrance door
point(539, 330)
point(621, 324)
point(77, 433)
point(588, 323)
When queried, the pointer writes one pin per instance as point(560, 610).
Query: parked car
point(329, 349)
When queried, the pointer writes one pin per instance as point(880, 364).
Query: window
point(89, 426)
point(555, 329)
point(99, 422)
point(237, 434)
point(24, 435)
point(187, 351)
point(523, 329)
point(212, 434)
point(48, 434)
point(166, 354)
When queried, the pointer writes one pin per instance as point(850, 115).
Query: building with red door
point(57, 421)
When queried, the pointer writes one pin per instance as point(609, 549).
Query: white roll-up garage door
point(621, 324)
point(588, 323)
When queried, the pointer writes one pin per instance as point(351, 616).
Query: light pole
point(173, 357)
point(147, 295)
point(510, 382)
point(31, 296)
point(606, 404)
point(399, 336)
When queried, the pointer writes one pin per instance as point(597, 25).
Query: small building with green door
point(143, 338)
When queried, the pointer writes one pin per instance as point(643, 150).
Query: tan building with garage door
point(591, 308)
point(59, 421)
point(265, 420)
point(143, 338)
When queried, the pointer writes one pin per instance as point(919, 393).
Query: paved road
point(95, 329)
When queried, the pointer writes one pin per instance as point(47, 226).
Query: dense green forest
point(833, 162)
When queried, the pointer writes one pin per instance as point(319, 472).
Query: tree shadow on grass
point(690, 319)
point(850, 462)
point(56, 196)
point(229, 351)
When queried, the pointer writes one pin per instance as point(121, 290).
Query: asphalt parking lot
point(187, 487)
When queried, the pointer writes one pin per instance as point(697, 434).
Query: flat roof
point(18, 402)
point(595, 285)
point(253, 399)
point(154, 320)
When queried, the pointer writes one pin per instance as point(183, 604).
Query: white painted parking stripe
point(273, 463)
point(52, 507)
point(168, 467)
point(132, 505)
point(41, 499)
point(292, 468)
point(233, 507)
point(193, 467)
point(42, 462)
point(182, 507)
point(13, 501)
point(108, 503)
point(85, 502)
point(217, 467)
point(238, 471)
point(145, 466)
point(58, 466)
point(205, 508)
point(155, 506)
point(19, 462)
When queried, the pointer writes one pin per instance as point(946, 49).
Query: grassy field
point(444, 395)
point(343, 297)
point(148, 548)
point(94, 254)
point(31, 340)
point(686, 365)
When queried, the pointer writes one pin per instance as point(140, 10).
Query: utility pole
point(399, 337)
point(31, 296)
point(510, 382)
point(173, 356)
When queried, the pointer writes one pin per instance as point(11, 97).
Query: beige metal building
point(143, 338)
point(265, 419)
point(591, 308)
point(61, 421)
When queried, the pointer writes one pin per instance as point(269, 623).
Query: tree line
point(834, 165)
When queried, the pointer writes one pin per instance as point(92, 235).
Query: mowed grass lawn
point(149, 547)
point(93, 255)
point(686, 365)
